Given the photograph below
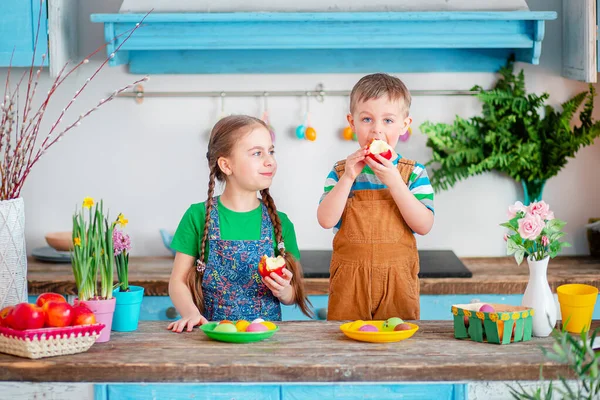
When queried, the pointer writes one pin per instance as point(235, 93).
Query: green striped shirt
point(418, 184)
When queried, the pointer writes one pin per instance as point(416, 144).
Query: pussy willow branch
point(18, 161)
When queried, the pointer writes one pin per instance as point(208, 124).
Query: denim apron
point(231, 284)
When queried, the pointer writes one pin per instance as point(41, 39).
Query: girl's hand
point(187, 323)
point(355, 163)
point(386, 171)
point(279, 286)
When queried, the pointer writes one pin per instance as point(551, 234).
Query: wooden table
point(498, 275)
point(304, 360)
point(305, 351)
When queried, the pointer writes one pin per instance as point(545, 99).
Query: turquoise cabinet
point(433, 307)
point(284, 391)
point(18, 28)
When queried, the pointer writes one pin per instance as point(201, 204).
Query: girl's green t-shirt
point(233, 225)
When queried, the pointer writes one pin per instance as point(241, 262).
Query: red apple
point(379, 147)
point(27, 316)
point(82, 315)
point(4, 321)
point(58, 313)
point(267, 265)
point(46, 297)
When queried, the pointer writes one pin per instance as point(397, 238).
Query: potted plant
point(511, 136)
point(535, 233)
point(93, 255)
point(25, 136)
point(583, 360)
point(129, 297)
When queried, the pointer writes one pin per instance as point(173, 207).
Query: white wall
point(148, 162)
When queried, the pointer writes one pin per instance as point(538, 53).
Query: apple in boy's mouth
point(380, 147)
point(266, 265)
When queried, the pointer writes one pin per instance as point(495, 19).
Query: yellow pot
point(577, 303)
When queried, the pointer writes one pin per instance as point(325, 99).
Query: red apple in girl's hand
point(4, 320)
point(379, 147)
point(58, 313)
point(266, 265)
point(82, 315)
point(46, 297)
point(26, 316)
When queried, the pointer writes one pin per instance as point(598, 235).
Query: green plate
point(236, 337)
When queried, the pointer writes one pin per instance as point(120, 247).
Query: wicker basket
point(48, 342)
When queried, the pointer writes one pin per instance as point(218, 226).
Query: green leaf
point(519, 256)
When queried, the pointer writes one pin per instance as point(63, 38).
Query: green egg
point(390, 324)
point(225, 328)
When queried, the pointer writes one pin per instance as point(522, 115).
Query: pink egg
point(368, 328)
point(486, 308)
point(256, 327)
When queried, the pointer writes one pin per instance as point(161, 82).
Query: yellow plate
point(378, 337)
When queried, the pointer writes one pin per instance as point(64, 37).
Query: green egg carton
point(493, 327)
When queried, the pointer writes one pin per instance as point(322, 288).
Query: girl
point(220, 242)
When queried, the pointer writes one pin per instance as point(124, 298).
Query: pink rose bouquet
point(533, 231)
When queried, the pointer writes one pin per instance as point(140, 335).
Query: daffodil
point(88, 202)
point(77, 241)
point(122, 221)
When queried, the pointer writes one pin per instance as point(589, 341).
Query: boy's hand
point(387, 172)
point(355, 163)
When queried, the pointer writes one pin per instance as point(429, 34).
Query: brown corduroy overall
point(375, 264)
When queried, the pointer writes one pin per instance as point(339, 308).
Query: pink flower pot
point(103, 310)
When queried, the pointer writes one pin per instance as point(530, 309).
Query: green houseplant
point(93, 255)
point(583, 362)
point(516, 134)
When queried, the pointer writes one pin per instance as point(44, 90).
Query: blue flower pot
point(127, 309)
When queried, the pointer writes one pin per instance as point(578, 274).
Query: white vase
point(13, 257)
point(539, 297)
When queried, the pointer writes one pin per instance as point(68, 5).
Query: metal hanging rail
point(319, 93)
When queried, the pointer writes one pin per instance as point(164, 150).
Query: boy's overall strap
point(404, 165)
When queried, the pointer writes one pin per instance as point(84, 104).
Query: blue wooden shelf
point(18, 28)
point(268, 42)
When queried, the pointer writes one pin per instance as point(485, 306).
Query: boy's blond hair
point(376, 85)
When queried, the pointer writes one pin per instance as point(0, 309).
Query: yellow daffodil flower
point(88, 202)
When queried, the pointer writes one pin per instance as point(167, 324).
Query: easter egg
point(257, 320)
point(368, 328)
point(486, 308)
point(391, 323)
point(406, 135)
point(310, 134)
point(356, 325)
point(300, 131)
point(225, 321)
point(225, 328)
point(402, 327)
point(347, 133)
point(270, 326)
point(256, 327)
point(241, 325)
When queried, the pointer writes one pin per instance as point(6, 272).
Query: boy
point(375, 207)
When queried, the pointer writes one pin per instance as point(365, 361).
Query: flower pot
point(577, 303)
point(127, 309)
point(13, 257)
point(539, 297)
point(104, 311)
